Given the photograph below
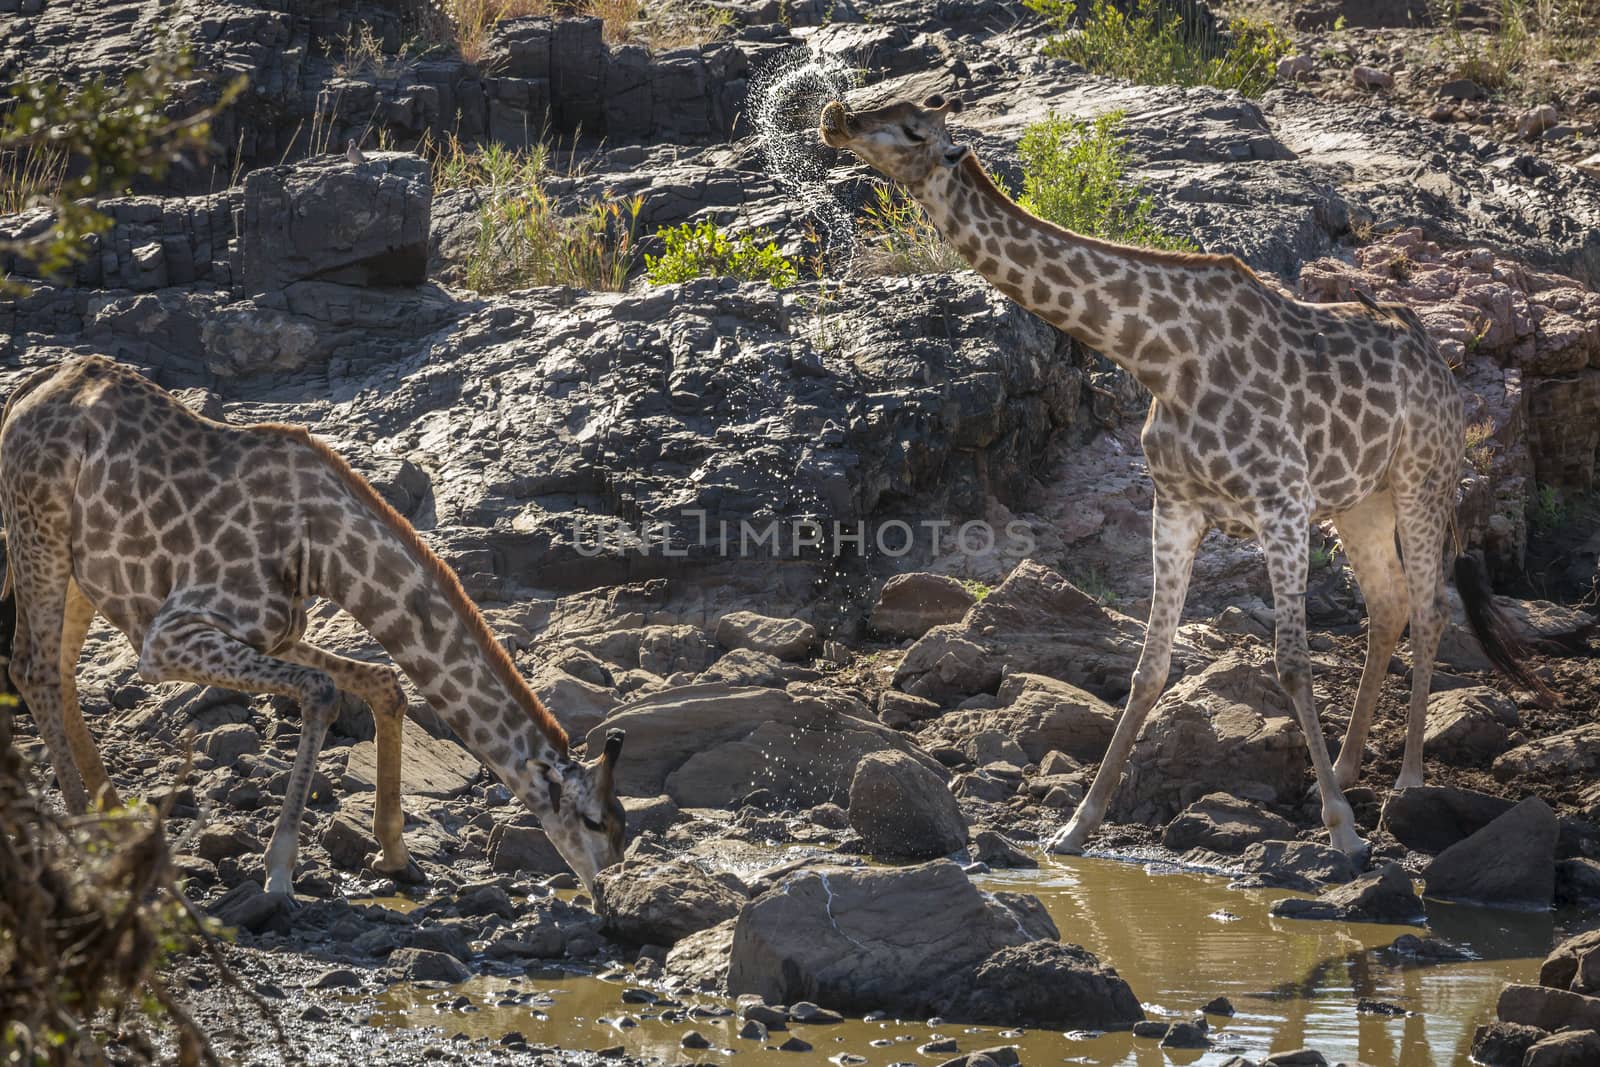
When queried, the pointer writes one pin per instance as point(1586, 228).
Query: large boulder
point(1431, 818)
point(664, 903)
point(1039, 713)
point(1469, 727)
point(701, 958)
point(325, 220)
point(1036, 622)
point(787, 639)
point(1383, 896)
point(1511, 861)
point(711, 745)
point(909, 605)
point(429, 766)
point(903, 810)
point(1574, 964)
point(914, 940)
point(1220, 822)
point(1228, 728)
point(1548, 1009)
point(1571, 752)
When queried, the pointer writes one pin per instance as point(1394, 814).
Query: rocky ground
point(582, 460)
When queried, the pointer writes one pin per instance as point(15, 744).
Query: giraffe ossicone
point(1267, 414)
point(202, 541)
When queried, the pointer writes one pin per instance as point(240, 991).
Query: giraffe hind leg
point(187, 648)
point(1367, 533)
point(85, 754)
point(1421, 525)
point(380, 688)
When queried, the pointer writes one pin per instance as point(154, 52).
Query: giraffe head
point(583, 817)
point(903, 141)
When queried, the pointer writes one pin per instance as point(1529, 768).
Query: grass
point(524, 239)
point(979, 590)
point(1528, 35)
point(1094, 584)
point(30, 176)
point(1074, 174)
point(467, 24)
point(1546, 510)
point(901, 239)
point(1480, 445)
point(1150, 44)
point(703, 250)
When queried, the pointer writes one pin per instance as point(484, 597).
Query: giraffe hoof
point(409, 873)
point(1065, 842)
point(282, 887)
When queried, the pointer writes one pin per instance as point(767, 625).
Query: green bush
point(1073, 175)
point(1150, 44)
point(524, 241)
point(702, 250)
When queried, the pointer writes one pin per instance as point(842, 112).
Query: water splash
point(785, 101)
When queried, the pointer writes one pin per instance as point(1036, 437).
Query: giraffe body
point(1267, 414)
point(202, 542)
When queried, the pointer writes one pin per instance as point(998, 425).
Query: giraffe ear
point(614, 739)
point(955, 106)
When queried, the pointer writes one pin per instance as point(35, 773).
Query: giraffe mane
point(985, 184)
point(466, 611)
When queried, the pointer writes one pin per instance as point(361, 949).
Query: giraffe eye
point(914, 135)
point(594, 824)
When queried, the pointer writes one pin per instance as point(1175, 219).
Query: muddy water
point(1179, 939)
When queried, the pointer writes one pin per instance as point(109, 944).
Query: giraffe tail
point(8, 630)
point(1492, 627)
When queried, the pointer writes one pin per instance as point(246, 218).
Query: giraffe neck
point(1155, 314)
point(366, 558)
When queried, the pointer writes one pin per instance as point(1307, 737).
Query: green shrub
point(1150, 44)
point(1073, 175)
point(901, 239)
point(702, 250)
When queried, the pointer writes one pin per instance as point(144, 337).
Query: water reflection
point(1179, 938)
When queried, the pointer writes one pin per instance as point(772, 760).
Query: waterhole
point(1179, 938)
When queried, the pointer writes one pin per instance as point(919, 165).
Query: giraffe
point(202, 541)
point(1267, 414)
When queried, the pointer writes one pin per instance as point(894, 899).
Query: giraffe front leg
point(189, 648)
point(39, 583)
point(1176, 530)
point(1422, 541)
point(1283, 540)
point(85, 753)
point(380, 688)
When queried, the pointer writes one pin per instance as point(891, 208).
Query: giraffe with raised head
point(202, 542)
point(1267, 414)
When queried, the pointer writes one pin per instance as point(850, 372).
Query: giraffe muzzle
point(835, 124)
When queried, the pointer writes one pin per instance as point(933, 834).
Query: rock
point(701, 958)
point(662, 904)
point(744, 666)
point(432, 766)
point(770, 1016)
point(578, 705)
point(899, 710)
point(795, 1044)
point(336, 978)
point(1574, 964)
point(447, 938)
point(1577, 882)
point(424, 965)
point(694, 1040)
point(1000, 852)
point(1295, 68)
point(249, 907)
point(1463, 89)
point(1511, 861)
point(1534, 121)
point(999, 1056)
point(1501, 1044)
point(1431, 818)
point(1218, 1006)
point(829, 817)
point(803, 1011)
point(1384, 896)
point(902, 809)
point(710, 745)
point(787, 639)
point(1185, 1035)
point(323, 219)
point(515, 849)
point(1548, 1009)
point(1576, 1048)
point(753, 1031)
point(220, 842)
point(1302, 1057)
point(1227, 728)
point(1295, 864)
point(649, 815)
point(992, 746)
point(1571, 752)
point(1224, 823)
point(487, 899)
point(1039, 714)
point(1371, 78)
point(1469, 727)
point(1035, 622)
point(874, 938)
point(227, 743)
point(348, 843)
point(909, 605)
point(1049, 985)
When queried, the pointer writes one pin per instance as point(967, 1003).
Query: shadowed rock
point(1510, 862)
point(904, 810)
